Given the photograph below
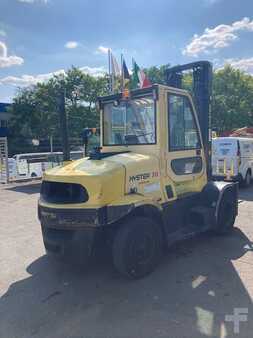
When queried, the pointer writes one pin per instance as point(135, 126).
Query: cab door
point(185, 155)
point(22, 166)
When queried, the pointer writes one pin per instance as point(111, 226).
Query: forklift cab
point(159, 121)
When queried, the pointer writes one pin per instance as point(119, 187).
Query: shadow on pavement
point(246, 194)
point(189, 295)
point(30, 188)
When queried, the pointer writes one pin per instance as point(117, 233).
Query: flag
point(144, 80)
point(115, 66)
point(139, 78)
point(135, 76)
point(125, 75)
point(114, 72)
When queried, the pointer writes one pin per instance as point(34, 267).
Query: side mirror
point(86, 134)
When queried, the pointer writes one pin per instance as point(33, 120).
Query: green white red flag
point(139, 78)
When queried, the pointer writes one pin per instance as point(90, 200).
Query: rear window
point(224, 148)
point(63, 193)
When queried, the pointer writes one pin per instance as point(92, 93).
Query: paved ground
point(198, 283)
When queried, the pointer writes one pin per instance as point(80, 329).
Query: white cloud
point(11, 61)
point(33, 1)
point(29, 80)
point(8, 61)
point(218, 37)
point(71, 44)
point(2, 32)
point(102, 50)
point(245, 65)
point(3, 49)
point(93, 71)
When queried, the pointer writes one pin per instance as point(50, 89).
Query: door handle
point(198, 152)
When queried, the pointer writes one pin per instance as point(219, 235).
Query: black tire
point(226, 215)
point(240, 181)
point(247, 180)
point(137, 247)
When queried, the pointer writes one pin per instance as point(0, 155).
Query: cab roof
point(142, 92)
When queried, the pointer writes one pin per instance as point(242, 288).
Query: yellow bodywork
point(138, 176)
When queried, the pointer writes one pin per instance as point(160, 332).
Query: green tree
point(156, 74)
point(35, 115)
point(35, 109)
point(232, 104)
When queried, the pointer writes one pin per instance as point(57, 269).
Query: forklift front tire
point(137, 247)
point(226, 215)
point(247, 180)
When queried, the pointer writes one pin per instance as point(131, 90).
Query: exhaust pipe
point(64, 126)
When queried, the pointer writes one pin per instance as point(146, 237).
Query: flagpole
point(133, 68)
point(122, 90)
point(109, 68)
point(113, 73)
point(122, 75)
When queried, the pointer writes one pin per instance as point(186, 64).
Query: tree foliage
point(35, 115)
point(35, 109)
point(156, 74)
point(232, 104)
point(232, 99)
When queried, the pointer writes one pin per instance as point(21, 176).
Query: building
point(241, 132)
point(4, 118)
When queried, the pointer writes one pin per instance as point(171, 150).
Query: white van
point(33, 165)
point(232, 159)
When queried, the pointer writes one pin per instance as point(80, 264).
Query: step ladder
point(4, 167)
point(223, 168)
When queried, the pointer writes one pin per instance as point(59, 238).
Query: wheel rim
point(141, 253)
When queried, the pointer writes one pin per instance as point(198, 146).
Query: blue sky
point(40, 37)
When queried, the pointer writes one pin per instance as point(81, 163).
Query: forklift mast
point(202, 93)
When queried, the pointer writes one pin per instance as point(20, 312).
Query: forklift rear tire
point(137, 247)
point(226, 215)
point(247, 180)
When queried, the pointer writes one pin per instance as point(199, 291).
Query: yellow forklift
point(147, 186)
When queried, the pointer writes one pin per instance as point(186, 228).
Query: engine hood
point(142, 172)
point(102, 179)
point(109, 178)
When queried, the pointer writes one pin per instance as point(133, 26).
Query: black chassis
point(75, 233)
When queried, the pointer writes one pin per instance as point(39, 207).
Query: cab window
point(183, 132)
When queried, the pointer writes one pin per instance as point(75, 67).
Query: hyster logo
point(139, 177)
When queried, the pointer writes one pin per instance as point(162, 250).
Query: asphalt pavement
point(200, 288)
